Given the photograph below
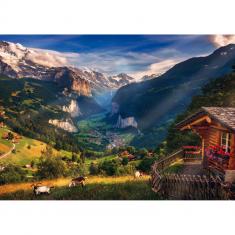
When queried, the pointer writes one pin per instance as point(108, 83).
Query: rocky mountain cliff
point(43, 103)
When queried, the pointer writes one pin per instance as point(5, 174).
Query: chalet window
point(226, 142)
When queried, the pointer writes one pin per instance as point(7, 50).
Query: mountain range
point(17, 61)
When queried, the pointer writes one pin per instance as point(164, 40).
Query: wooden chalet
point(216, 127)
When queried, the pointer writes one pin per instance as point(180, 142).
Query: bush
point(145, 164)
point(93, 169)
point(32, 163)
point(109, 167)
point(75, 170)
point(49, 168)
point(74, 157)
point(10, 136)
point(12, 174)
point(142, 153)
point(48, 152)
point(125, 161)
point(131, 149)
point(82, 169)
point(126, 170)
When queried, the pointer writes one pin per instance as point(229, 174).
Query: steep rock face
point(126, 122)
point(73, 109)
point(66, 124)
point(72, 79)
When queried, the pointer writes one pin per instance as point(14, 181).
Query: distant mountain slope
point(217, 93)
point(154, 102)
point(43, 110)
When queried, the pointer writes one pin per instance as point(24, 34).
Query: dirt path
point(8, 153)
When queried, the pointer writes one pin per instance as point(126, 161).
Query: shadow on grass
point(134, 190)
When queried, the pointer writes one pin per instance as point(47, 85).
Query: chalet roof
point(225, 116)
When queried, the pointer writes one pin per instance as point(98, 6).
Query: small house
point(216, 128)
point(5, 136)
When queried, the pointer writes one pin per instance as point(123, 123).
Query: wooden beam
point(204, 118)
point(220, 128)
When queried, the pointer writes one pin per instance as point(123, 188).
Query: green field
point(103, 188)
point(26, 150)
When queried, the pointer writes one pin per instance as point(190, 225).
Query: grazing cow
point(2, 168)
point(41, 189)
point(138, 174)
point(76, 181)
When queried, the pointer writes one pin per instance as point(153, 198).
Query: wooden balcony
point(189, 186)
point(192, 153)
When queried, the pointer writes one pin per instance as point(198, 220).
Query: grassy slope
point(5, 145)
point(23, 155)
point(97, 188)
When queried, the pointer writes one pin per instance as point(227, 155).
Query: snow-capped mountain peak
point(17, 61)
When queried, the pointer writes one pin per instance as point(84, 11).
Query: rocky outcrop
point(126, 122)
point(66, 124)
point(73, 109)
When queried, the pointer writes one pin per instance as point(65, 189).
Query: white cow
point(41, 189)
point(137, 174)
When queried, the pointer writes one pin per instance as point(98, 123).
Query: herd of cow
point(38, 188)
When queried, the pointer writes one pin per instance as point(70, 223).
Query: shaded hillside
point(154, 104)
point(29, 104)
point(220, 93)
point(157, 101)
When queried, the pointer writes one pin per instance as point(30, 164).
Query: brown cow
point(76, 181)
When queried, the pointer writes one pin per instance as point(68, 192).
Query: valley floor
point(97, 188)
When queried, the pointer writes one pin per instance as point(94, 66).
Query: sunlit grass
point(97, 188)
point(27, 150)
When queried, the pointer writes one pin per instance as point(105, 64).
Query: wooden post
point(203, 149)
point(204, 158)
point(231, 165)
point(230, 173)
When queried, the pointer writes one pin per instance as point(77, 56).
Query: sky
point(136, 55)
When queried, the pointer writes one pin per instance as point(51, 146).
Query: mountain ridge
point(17, 61)
point(158, 101)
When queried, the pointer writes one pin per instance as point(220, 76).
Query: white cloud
point(222, 40)
point(156, 68)
point(51, 58)
point(136, 64)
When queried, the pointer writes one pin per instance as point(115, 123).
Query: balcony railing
point(217, 158)
point(177, 186)
point(192, 152)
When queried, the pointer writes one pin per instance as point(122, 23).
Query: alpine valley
point(109, 117)
point(45, 98)
point(55, 102)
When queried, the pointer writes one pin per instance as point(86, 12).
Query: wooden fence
point(186, 187)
